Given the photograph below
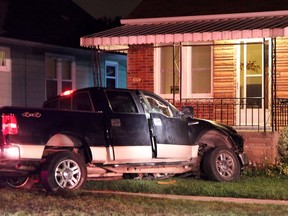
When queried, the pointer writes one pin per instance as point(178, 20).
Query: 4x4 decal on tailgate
point(31, 115)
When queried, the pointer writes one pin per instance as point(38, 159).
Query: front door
point(253, 63)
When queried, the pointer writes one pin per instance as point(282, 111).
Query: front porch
point(243, 114)
point(232, 68)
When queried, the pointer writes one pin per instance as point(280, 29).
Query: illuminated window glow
point(5, 59)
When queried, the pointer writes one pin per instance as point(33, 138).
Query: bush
point(283, 146)
point(281, 167)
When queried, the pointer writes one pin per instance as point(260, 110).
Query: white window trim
point(59, 58)
point(6, 68)
point(186, 76)
point(113, 64)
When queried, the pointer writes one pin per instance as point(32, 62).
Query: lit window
point(191, 62)
point(169, 71)
point(4, 59)
point(60, 74)
point(201, 70)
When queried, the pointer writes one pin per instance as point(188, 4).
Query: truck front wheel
point(63, 171)
point(221, 164)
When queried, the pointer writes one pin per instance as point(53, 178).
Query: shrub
point(283, 146)
point(281, 166)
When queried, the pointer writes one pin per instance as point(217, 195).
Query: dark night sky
point(108, 8)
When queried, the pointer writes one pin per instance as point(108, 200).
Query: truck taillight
point(9, 124)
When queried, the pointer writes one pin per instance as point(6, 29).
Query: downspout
point(99, 66)
point(273, 86)
point(25, 79)
point(264, 79)
point(174, 88)
point(180, 75)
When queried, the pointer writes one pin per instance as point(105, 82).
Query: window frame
point(188, 76)
point(115, 65)
point(59, 59)
point(186, 65)
point(7, 66)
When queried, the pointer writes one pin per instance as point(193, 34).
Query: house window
point(169, 70)
point(5, 59)
point(60, 74)
point(200, 70)
point(111, 74)
point(192, 62)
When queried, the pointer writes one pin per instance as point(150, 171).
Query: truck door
point(171, 132)
point(128, 128)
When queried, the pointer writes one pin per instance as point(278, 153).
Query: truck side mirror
point(187, 111)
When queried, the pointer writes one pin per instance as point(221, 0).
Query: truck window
point(81, 101)
point(65, 103)
point(158, 107)
point(51, 104)
point(121, 102)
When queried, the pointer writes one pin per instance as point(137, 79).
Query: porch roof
point(190, 29)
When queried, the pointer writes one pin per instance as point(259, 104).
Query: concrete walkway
point(199, 198)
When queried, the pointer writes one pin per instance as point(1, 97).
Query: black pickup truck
point(98, 132)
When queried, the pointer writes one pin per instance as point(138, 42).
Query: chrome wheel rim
point(225, 165)
point(17, 182)
point(67, 174)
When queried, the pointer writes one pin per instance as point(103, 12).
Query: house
point(228, 59)
point(40, 54)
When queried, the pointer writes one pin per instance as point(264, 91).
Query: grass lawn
point(83, 202)
point(23, 202)
point(259, 187)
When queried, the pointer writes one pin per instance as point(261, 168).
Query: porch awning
point(191, 29)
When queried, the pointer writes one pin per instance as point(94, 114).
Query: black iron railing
point(252, 113)
point(281, 113)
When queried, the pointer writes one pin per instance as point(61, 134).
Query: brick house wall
point(261, 147)
point(140, 67)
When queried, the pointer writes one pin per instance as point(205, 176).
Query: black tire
point(24, 182)
point(63, 171)
point(221, 164)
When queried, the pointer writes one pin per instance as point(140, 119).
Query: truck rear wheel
point(63, 171)
point(221, 164)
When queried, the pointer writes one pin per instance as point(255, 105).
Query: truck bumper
point(11, 165)
point(9, 152)
point(243, 159)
